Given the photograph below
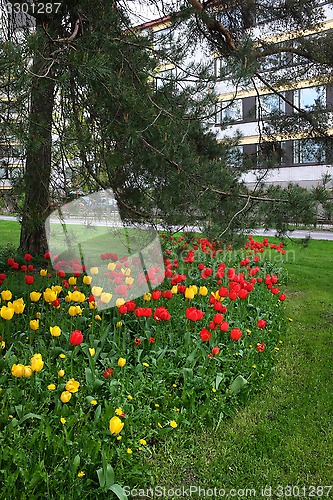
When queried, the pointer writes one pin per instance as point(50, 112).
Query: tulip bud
point(116, 425)
point(121, 362)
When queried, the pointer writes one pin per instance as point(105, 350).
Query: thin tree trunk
point(38, 151)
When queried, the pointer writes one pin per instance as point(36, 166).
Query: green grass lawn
point(9, 233)
point(284, 434)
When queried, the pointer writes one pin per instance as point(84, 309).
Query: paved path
point(315, 234)
point(298, 234)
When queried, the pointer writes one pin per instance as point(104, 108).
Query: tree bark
point(38, 150)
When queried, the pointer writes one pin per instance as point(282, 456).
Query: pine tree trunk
point(38, 151)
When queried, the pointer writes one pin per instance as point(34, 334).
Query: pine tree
point(96, 116)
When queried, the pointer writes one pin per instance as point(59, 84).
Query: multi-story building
point(11, 153)
point(248, 111)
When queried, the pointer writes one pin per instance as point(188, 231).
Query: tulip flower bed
point(85, 393)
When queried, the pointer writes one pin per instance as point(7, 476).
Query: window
point(3, 173)
point(311, 96)
point(309, 151)
point(275, 60)
point(234, 157)
point(268, 104)
point(221, 68)
point(229, 111)
point(270, 154)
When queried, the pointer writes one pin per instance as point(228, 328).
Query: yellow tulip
point(49, 295)
point(6, 295)
point(147, 296)
point(74, 310)
point(111, 266)
point(77, 296)
point(96, 291)
point(61, 373)
point(18, 305)
point(189, 293)
point(129, 280)
point(7, 312)
point(116, 425)
point(87, 280)
point(65, 396)
point(43, 272)
point(72, 280)
point(55, 331)
point(174, 289)
point(106, 297)
point(18, 370)
point(36, 362)
point(120, 301)
point(34, 324)
point(28, 371)
point(72, 385)
point(217, 296)
point(203, 290)
point(35, 296)
point(121, 362)
point(94, 270)
point(92, 351)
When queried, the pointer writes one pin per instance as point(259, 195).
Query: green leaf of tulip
point(238, 384)
point(118, 491)
point(89, 376)
point(218, 380)
point(30, 415)
point(109, 476)
point(101, 477)
point(75, 463)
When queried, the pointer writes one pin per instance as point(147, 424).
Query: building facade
point(249, 111)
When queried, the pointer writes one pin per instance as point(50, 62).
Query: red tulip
point(261, 347)
point(108, 373)
point(29, 279)
point(218, 318)
point(205, 335)
point(224, 326)
point(76, 337)
point(261, 323)
point(235, 334)
point(194, 314)
point(161, 313)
